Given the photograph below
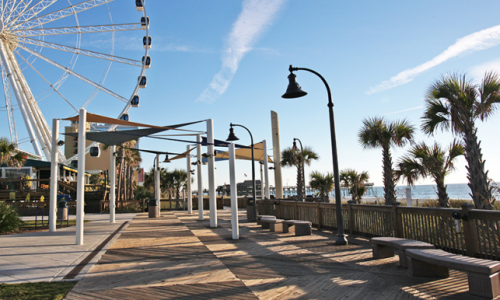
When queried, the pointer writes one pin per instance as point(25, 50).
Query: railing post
point(319, 216)
point(470, 231)
point(398, 232)
point(351, 217)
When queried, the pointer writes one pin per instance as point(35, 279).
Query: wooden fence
point(476, 234)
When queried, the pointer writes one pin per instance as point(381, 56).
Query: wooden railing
point(478, 233)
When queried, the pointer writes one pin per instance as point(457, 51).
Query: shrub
point(9, 219)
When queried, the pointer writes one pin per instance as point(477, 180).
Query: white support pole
point(20, 99)
point(261, 181)
point(278, 179)
point(200, 177)
point(189, 193)
point(266, 170)
point(157, 183)
point(80, 186)
point(211, 173)
point(234, 193)
point(408, 196)
point(54, 168)
point(112, 184)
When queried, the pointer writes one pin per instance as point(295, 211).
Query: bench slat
point(454, 261)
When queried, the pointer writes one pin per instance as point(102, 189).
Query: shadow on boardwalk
point(177, 256)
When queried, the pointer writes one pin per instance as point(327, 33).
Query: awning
point(244, 153)
point(93, 118)
point(184, 154)
point(115, 138)
point(219, 143)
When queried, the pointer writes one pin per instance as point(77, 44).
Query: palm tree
point(9, 155)
point(179, 177)
point(355, 182)
point(377, 132)
point(323, 183)
point(432, 161)
point(295, 158)
point(454, 104)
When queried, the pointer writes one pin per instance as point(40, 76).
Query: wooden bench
point(272, 224)
point(288, 226)
point(303, 228)
point(483, 274)
point(383, 247)
point(259, 217)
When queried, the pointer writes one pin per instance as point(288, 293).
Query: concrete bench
point(483, 274)
point(259, 217)
point(288, 226)
point(303, 228)
point(274, 225)
point(383, 247)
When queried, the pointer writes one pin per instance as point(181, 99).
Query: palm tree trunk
point(444, 200)
point(478, 179)
point(300, 195)
point(129, 182)
point(389, 185)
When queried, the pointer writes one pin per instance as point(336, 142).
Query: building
point(92, 164)
point(244, 188)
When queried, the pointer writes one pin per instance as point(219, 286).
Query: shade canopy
point(219, 143)
point(244, 153)
point(115, 138)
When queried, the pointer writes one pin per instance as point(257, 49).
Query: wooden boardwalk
point(178, 257)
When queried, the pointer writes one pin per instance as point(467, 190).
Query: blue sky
point(228, 61)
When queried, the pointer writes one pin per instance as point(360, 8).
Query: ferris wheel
point(45, 43)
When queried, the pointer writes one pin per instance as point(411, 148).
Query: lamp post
point(294, 91)
point(232, 137)
point(303, 165)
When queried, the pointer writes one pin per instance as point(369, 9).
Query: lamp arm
point(330, 102)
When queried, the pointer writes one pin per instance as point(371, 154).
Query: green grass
point(36, 290)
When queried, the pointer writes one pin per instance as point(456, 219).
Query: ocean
point(455, 191)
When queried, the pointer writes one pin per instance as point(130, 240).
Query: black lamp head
point(294, 145)
point(232, 136)
point(166, 159)
point(294, 90)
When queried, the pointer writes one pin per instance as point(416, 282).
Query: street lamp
point(303, 165)
point(294, 91)
point(232, 137)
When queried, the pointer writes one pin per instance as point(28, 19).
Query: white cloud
point(254, 18)
point(474, 42)
point(404, 110)
point(477, 72)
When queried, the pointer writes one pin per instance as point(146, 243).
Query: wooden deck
point(178, 257)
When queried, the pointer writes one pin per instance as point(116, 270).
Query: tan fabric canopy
point(93, 118)
point(182, 155)
point(246, 153)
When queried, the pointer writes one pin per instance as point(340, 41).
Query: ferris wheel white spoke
point(17, 10)
point(60, 14)
point(74, 74)
point(39, 74)
point(23, 12)
point(7, 8)
point(74, 30)
point(37, 120)
point(33, 11)
point(81, 51)
point(9, 108)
